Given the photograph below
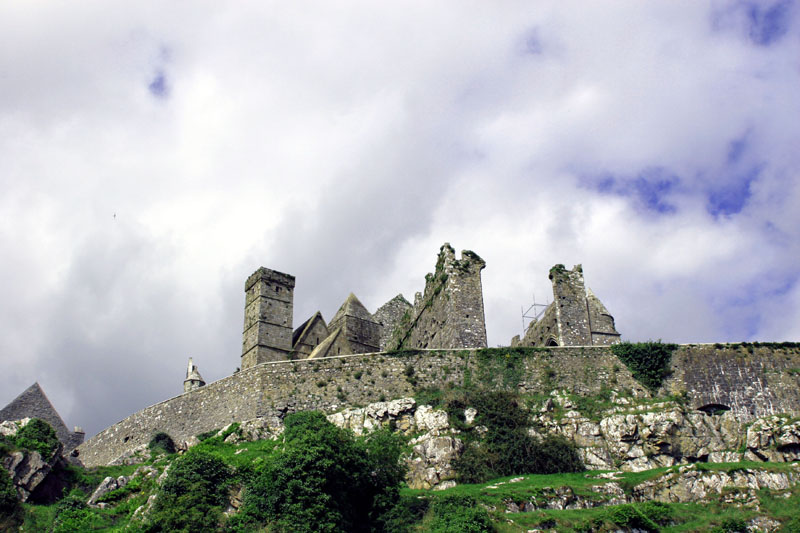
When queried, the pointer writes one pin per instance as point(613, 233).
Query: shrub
point(72, 514)
point(731, 525)
point(649, 362)
point(37, 436)
point(459, 514)
point(8, 495)
point(647, 516)
point(506, 448)
point(324, 480)
point(161, 442)
point(193, 494)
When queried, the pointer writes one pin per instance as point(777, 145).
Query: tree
point(324, 480)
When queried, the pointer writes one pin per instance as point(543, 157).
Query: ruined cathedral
point(447, 315)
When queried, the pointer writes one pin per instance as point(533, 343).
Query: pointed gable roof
point(303, 330)
point(33, 403)
point(398, 301)
point(351, 307)
point(595, 302)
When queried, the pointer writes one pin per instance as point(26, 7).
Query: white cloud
point(344, 143)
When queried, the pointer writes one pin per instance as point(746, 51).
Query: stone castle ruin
point(576, 317)
point(447, 315)
point(361, 358)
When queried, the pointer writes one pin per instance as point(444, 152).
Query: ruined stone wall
point(569, 300)
point(388, 317)
point(543, 332)
point(603, 329)
point(753, 381)
point(449, 314)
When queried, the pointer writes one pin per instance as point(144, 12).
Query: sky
point(154, 155)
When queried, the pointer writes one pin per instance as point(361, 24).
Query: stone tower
point(268, 308)
point(193, 378)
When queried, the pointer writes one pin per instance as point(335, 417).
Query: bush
point(37, 436)
point(506, 448)
point(459, 514)
point(647, 516)
point(649, 362)
point(72, 514)
point(731, 525)
point(193, 494)
point(324, 480)
point(9, 503)
point(161, 442)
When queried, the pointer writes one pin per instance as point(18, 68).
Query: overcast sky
point(154, 155)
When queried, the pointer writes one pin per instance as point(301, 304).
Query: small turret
point(193, 379)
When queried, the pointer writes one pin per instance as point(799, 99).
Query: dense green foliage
point(193, 495)
point(38, 436)
point(72, 514)
point(649, 362)
point(8, 495)
point(161, 443)
point(506, 447)
point(459, 514)
point(325, 480)
point(647, 516)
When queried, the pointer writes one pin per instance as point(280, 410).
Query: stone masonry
point(449, 313)
point(576, 317)
point(269, 300)
point(750, 384)
point(388, 317)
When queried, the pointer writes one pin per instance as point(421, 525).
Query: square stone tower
point(268, 308)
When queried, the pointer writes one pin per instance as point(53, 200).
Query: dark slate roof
point(33, 403)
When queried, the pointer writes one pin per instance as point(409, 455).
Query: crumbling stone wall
point(449, 314)
point(575, 318)
point(388, 317)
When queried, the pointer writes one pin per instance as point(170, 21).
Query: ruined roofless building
point(450, 315)
point(576, 317)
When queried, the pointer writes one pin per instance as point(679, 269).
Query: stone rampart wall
point(752, 384)
point(753, 381)
point(213, 406)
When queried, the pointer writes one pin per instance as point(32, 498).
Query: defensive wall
point(751, 381)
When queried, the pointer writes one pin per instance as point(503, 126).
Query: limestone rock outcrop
point(29, 470)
